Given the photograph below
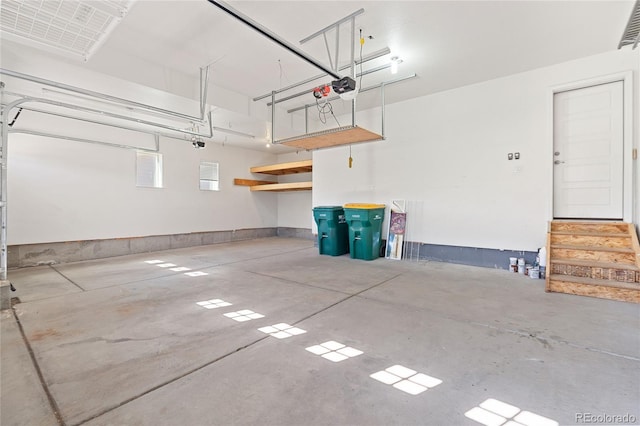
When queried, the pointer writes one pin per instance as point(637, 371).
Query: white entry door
point(588, 153)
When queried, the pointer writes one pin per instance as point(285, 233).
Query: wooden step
point(592, 239)
point(605, 289)
point(597, 270)
point(600, 254)
point(586, 226)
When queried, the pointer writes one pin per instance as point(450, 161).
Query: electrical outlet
point(510, 156)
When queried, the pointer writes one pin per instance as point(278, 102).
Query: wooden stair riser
point(602, 292)
point(605, 228)
point(621, 275)
point(623, 241)
point(627, 258)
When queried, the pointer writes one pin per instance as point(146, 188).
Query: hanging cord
point(324, 109)
point(361, 45)
point(350, 158)
point(281, 73)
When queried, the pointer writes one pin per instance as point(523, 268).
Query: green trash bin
point(365, 227)
point(333, 232)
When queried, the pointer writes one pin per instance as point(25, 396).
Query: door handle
point(558, 162)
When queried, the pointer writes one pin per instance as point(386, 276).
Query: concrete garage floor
point(121, 341)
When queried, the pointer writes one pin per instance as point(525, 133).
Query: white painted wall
point(448, 152)
point(67, 191)
point(294, 208)
point(63, 190)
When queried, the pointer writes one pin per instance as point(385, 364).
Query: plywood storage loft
point(305, 166)
point(341, 135)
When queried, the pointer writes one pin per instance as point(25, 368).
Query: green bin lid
point(328, 208)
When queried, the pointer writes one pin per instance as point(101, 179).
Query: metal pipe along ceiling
point(371, 56)
point(271, 36)
point(112, 115)
point(204, 73)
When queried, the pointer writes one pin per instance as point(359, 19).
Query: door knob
point(558, 162)
point(556, 153)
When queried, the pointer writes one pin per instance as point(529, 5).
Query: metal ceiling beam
point(366, 89)
point(271, 36)
point(334, 25)
point(306, 92)
point(375, 55)
point(98, 95)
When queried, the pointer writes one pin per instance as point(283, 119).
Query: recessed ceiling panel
point(71, 26)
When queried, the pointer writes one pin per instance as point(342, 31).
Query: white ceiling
point(447, 44)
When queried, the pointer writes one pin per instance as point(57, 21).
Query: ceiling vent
point(632, 32)
point(76, 27)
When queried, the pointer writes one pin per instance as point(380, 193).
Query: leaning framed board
point(397, 230)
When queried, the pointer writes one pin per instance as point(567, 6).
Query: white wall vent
point(631, 34)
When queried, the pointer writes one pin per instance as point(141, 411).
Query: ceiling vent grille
point(71, 26)
point(632, 32)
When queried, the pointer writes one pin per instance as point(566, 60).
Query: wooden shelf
point(252, 182)
point(304, 166)
point(282, 187)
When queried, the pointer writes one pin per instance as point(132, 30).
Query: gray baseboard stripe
point(303, 233)
point(74, 251)
point(473, 256)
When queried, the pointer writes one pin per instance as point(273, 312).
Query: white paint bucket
point(513, 264)
point(521, 266)
point(534, 273)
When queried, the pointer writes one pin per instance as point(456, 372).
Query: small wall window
point(148, 169)
point(209, 176)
